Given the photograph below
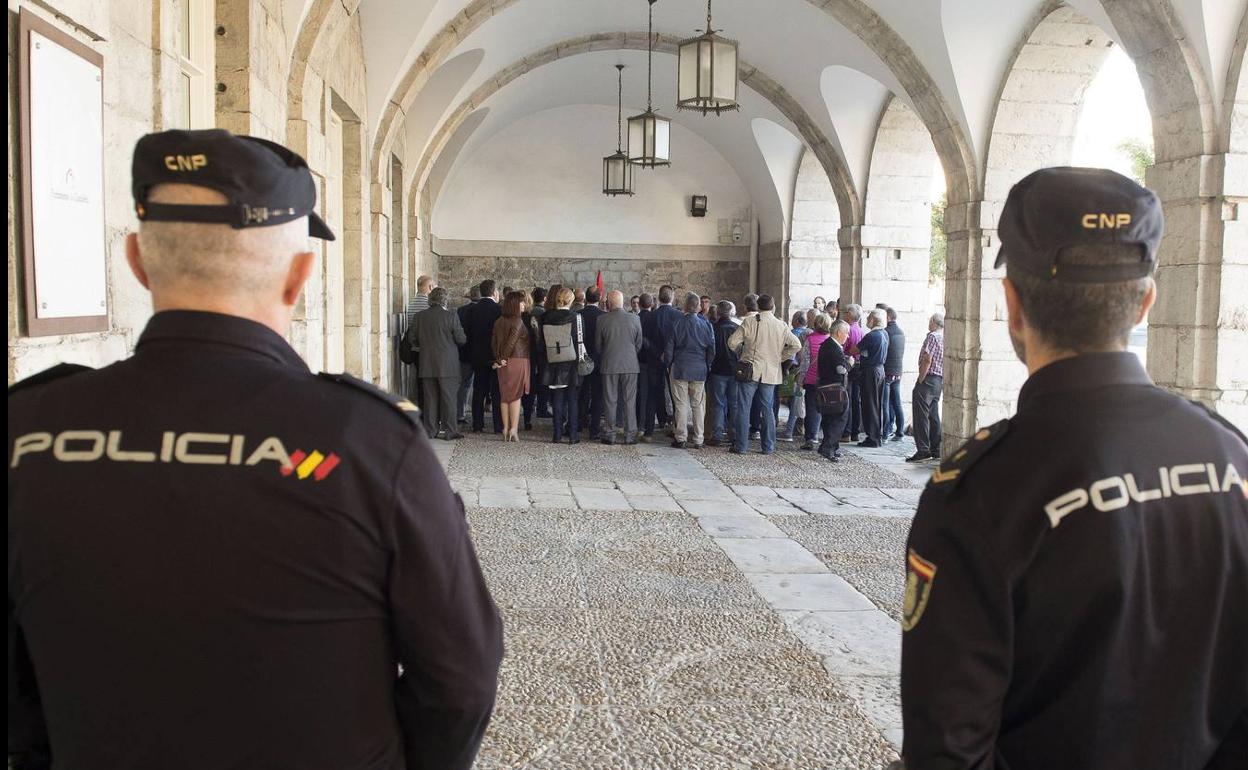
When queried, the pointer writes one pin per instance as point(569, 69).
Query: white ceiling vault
point(965, 47)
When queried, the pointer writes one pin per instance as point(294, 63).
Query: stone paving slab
point(770, 556)
point(715, 507)
point(654, 503)
point(541, 500)
point(699, 489)
point(781, 508)
point(855, 643)
point(739, 526)
point(503, 497)
point(600, 499)
point(808, 592)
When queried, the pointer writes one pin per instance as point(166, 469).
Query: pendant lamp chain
point(650, 57)
point(619, 110)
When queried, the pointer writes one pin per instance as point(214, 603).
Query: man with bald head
point(216, 557)
point(619, 340)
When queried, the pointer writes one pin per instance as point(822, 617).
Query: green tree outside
point(940, 244)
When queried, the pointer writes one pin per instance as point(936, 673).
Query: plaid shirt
point(934, 347)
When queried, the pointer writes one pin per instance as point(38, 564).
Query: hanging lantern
point(707, 73)
point(617, 172)
point(649, 134)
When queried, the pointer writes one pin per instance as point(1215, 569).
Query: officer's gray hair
point(438, 297)
point(693, 303)
point(880, 318)
point(725, 309)
point(217, 257)
point(938, 319)
point(839, 328)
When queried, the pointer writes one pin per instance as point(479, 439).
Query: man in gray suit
point(619, 340)
point(438, 333)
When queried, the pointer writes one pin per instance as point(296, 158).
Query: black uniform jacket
point(1077, 584)
point(220, 560)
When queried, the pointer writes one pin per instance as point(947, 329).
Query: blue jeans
point(813, 418)
point(767, 419)
point(723, 388)
point(893, 413)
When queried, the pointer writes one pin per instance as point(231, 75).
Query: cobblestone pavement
point(673, 608)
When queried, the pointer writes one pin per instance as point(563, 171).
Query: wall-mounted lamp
point(697, 206)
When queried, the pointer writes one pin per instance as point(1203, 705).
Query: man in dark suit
point(479, 326)
point(657, 328)
point(438, 334)
point(591, 386)
point(465, 363)
point(833, 366)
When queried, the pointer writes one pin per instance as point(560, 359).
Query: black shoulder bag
point(745, 369)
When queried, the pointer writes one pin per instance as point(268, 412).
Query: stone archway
point(1034, 126)
point(897, 228)
point(814, 237)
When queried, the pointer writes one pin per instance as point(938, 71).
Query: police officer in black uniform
point(217, 558)
point(1077, 575)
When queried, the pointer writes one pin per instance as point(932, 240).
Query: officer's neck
point(276, 316)
point(1038, 354)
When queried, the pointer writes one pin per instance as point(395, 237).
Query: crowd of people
point(705, 373)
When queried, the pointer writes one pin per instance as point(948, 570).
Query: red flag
point(598, 283)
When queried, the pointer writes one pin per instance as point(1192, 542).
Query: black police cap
point(265, 183)
point(1054, 209)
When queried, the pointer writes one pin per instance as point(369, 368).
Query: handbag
point(584, 364)
point(832, 399)
point(744, 371)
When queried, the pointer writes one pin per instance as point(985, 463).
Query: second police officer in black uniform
point(217, 558)
point(1077, 575)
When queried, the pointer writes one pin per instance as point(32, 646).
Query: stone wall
point(814, 248)
point(721, 279)
point(139, 42)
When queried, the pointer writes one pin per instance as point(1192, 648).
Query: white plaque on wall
point(62, 133)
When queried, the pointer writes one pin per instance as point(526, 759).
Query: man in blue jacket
point(689, 353)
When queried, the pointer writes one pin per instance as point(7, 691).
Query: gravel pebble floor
point(633, 642)
point(868, 551)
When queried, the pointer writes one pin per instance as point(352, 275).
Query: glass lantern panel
point(662, 139)
point(705, 73)
point(636, 138)
point(725, 71)
point(687, 87)
point(615, 173)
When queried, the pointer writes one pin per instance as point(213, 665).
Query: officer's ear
point(300, 270)
point(1014, 306)
point(1150, 296)
point(135, 259)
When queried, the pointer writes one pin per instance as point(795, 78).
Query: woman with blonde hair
point(510, 343)
point(563, 340)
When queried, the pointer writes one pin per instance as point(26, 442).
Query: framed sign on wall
point(61, 125)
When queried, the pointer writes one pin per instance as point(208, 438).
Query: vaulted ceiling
point(835, 81)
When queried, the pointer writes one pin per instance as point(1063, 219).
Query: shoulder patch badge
point(920, 574)
point(956, 466)
point(402, 405)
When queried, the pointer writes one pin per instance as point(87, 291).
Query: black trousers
point(853, 416)
point(485, 382)
point(926, 403)
point(651, 404)
point(872, 389)
point(564, 402)
point(591, 404)
point(833, 428)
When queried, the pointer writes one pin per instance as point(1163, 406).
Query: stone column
point(251, 63)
